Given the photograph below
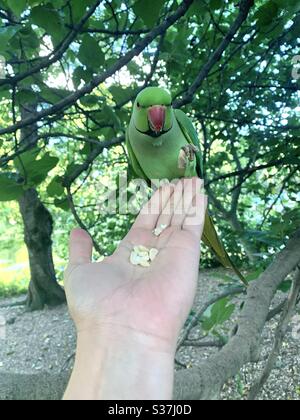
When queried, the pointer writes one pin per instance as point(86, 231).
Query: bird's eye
point(138, 105)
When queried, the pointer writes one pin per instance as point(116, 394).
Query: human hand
point(134, 314)
point(153, 301)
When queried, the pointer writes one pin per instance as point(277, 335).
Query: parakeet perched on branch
point(162, 143)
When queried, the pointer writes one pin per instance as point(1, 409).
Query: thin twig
point(279, 337)
point(244, 9)
point(196, 317)
point(55, 56)
point(100, 78)
point(79, 221)
point(204, 344)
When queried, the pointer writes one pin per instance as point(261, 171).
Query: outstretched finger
point(194, 220)
point(80, 247)
point(150, 213)
point(190, 188)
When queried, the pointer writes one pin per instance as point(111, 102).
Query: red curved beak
point(157, 117)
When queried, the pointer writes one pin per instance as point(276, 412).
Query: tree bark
point(38, 227)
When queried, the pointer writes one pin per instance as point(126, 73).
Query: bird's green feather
point(135, 166)
point(191, 136)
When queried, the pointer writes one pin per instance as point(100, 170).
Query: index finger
point(147, 219)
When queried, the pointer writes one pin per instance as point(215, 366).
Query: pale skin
point(128, 318)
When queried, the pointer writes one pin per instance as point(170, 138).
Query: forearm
point(129, 367)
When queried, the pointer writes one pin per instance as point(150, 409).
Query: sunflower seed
point(153, 254)
point(159, 230)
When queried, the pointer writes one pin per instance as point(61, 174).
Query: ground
point(45, 341)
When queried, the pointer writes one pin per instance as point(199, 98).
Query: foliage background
point(246, 111)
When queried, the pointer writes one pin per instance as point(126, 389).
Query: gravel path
point(45, 340)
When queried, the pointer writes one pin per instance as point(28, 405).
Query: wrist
point(117, 363)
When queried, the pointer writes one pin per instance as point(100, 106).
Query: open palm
point(156, 300)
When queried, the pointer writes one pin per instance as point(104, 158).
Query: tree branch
point(279, 336)
point(244, 9)
point(115, 33)
point(206, 381)
point(203, 344)
point(97, 80)
point(285, 181)
point(56, 55)
point(91, 157)
point(249, 170)
point(79, 221)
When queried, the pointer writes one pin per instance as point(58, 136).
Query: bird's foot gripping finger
point(187, 159)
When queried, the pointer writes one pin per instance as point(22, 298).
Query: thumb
point(80, 247)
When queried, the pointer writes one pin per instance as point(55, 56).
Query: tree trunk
point(38, 226)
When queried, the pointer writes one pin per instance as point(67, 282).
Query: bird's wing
point(135, 166)
point(191, 136)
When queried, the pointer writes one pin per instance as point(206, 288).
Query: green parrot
point(162, 143)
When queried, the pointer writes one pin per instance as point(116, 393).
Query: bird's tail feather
point(211, 239)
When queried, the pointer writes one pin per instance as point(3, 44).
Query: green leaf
point(55, 188)
point(266, 13)
point(198, 8)
point(90, 101)
point(285, 286)
point(220, 312)
point(6, 34)
point(216, 4)
point(81, 74)
point(29, 39)
point(90, 53)
point(79, 8)
point(35, 171)
point(53, 95)
point(26, 159)
point(9, 189)
point(120, 94)
point(26, 97)
point(291, 5)
point(62, 204)
point(108, 116)
point(47, 18)
point(255, 274)
point(33, 3)
point(71, 168)
point(148, 11)
point(17, 6)
point(39, 169)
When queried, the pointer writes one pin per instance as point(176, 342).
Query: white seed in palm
point(153, 254)
point(144, 263)
point(141, 250)
point(143, 256)
point(159, 230)
point(134, 258)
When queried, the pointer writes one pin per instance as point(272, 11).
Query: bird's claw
point(190, 151)
point(187, 154)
